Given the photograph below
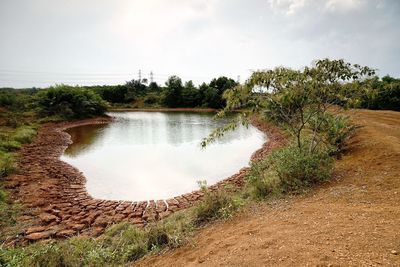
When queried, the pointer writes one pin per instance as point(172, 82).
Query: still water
point(156, 155)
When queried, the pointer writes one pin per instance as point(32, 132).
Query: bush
point(134, 252)
point(10, 145)
point(382, 94)
point(157, 237)
point(338, 132)
point(216, 205)
point(70, 103)
point(297, 168)
point(6, 164)
point(47, 255)
point(152, 99)
point(288, 170)
point(24, 134)
point(261, 180)
point(335, 129)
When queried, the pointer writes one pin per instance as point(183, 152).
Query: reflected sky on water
point(156, 155)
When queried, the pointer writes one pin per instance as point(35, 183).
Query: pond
point(157, 155)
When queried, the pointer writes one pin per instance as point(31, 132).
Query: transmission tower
point(140, 75)
point(151, 76)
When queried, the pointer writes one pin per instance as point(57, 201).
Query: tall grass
point(289, 169)
point(216, 205)
point(120, 244)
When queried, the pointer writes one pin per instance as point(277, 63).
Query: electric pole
point(151, 76)
point(140, 75)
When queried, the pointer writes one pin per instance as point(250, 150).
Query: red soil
point(353, 220)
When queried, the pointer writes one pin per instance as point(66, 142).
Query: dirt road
point(354, 220)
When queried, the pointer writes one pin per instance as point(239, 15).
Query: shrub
point(297, 168)
point(152, 99)
point(338, 132)
point(288, 170)
point(157, 237)
point(10, 145)
point(47, 255)
point(70, 103)
point(6, 164)
point(216, 205)
point(261, 180)
point(335, 129)
point(134, 252)
point(24, 134)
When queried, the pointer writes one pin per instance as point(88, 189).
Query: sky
point(84, 42)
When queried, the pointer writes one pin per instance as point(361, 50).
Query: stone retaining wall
point(57, 205)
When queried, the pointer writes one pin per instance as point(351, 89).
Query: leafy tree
point(212, 94)
point(135, 88)
point(113, 94)
point(173, 92)
point(154, 86)
point(294, 98)
point(69, 102)
point(381, 94)
point(189, 95)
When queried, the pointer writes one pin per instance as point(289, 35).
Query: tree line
point(69, 102)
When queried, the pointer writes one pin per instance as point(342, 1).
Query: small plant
point(297, 168)
point(216, 205)
point(7, 165)
point(338, 132)
point(24, 134)
point(10, 145)
point(289, 170)
point(335, 130)
point(262, 181)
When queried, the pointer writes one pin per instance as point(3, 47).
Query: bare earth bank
point(351, 221)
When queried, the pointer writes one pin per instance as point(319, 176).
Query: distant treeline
point(174, 94)
point(86, 101)
point(67, 102)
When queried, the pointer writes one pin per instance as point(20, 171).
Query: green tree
point(189, 95)
point(295, 98)
point(210, 95)
point(70, 102)
point(173, 92)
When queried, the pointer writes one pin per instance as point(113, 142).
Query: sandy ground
point(351, 221)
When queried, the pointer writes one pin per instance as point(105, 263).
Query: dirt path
point(352, 221)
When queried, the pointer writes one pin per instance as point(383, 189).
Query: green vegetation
point(174, 94)
point(216, 205)
point(70, 103)
point(304, 103)
point(301, 102)
point(120, 244)
point(124, 243)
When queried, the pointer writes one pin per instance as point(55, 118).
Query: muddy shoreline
point(57, 205)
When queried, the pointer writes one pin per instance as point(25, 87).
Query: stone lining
point(57, 205)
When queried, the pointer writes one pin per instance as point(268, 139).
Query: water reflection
point(83, 138)
point(147, 155)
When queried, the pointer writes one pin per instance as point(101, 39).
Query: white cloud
point(193, 39)
point(291, 7)
point(156, 19)
point(288, 7)
point(343, 5)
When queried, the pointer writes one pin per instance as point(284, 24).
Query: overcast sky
point(44, 42)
